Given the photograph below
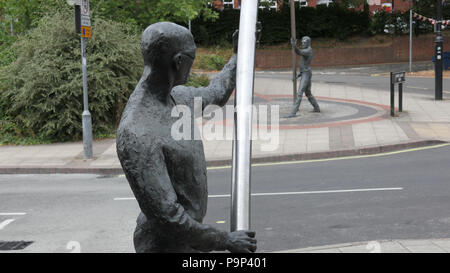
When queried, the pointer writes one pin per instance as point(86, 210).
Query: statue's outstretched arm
point(158, 201)
point(302, 52)
point(217, 92)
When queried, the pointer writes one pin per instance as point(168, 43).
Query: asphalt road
point(372, 77)
point(398, 196)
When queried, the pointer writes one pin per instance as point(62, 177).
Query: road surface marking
point(12, 213)
point(124, 198)
point(338, 158)
point(5, 223)
point(311, 192)
point(417, 87)
point(289, 193)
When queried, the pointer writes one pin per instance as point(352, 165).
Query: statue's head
point(169, 48)
point(306, 41)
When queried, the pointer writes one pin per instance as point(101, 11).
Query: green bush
point(198, 80)
point(210, 62)
point(41, 90)
point(6, 54)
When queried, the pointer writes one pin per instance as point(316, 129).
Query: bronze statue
point(306, 56)
point(167, 176)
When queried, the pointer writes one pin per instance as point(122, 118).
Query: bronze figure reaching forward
point(168, 176)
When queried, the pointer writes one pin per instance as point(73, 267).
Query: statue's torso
point(306, 59)
point(151, 126)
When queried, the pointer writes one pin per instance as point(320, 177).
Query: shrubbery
point(41, 90)
point(196, 80)
point(210, 62)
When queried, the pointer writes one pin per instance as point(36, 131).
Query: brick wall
point(398, 51)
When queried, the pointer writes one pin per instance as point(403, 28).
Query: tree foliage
point(25, 13)
point(41, 91)
point(142, 13)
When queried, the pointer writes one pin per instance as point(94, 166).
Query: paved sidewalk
point(354, 120)
point(384, 246)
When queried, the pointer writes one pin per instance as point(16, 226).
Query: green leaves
point(41, 90)
point(144, 13)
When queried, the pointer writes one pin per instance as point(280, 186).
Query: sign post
point(397, 78)
point(86, 116)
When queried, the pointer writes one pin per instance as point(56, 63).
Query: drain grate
point(14, 245)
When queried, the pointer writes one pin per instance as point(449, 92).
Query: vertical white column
point(242, 146)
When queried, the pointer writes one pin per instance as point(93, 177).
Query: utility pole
point(438, 53)
point(410, 35)
point(294, 56)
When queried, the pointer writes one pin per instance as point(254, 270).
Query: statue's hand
point(242, 241)
point(258, 32)
point(293, 42)
point(235, 40)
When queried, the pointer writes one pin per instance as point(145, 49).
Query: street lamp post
point(438, 53)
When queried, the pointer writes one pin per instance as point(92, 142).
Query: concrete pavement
point(354, 120)
point(385, 246)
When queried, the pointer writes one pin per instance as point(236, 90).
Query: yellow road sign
point(86, 32)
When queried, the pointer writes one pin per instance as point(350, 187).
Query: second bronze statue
point(306, 56)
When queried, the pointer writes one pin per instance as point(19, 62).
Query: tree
point(41, 90)
point(25, 13)
point(146, 12)
point(139, 12)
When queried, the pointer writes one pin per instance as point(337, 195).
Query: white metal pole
point(242, 146)
point(410, 39)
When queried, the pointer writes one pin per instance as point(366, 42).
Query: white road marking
point(417, 87)
point(12, 213)
point(289, 193)
point(5, 223)
point(124, 198)
point(311, 192)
